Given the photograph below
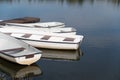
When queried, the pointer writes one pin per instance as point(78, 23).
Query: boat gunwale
point(19, 56)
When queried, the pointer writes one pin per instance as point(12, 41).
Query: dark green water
point(97, 20)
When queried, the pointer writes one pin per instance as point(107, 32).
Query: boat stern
point(28, 59)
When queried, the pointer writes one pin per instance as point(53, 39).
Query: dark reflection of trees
point(80, 2)
point(75, 1)
point(6, 0)
point(116, 2)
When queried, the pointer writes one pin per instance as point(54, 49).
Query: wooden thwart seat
point(8, 33)
point(26, 35)
point(68, 39)
point(12, 51)
point(46, 37)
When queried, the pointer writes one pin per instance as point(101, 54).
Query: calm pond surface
point(99, 55)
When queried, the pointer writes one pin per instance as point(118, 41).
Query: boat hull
point(22, 60)
point(32, 31)
point(53, 45)
point(18, 51)
point(39, 24)
point(50, 41)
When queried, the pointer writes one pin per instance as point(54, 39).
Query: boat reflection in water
point(72, 55)
point(12, 71)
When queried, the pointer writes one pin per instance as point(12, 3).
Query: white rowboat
point(17, 51)
point(50, 41)
point(21, 20)
point(39, 24)
point(28, 30)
